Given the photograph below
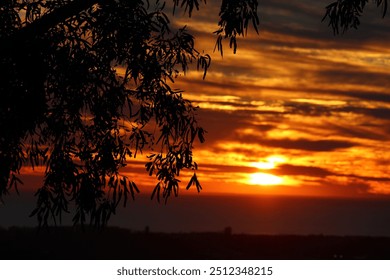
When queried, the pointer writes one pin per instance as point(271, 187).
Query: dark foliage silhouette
point(86, 86)
point(345, 14)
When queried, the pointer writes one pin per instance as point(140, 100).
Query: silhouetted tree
point(85, 86)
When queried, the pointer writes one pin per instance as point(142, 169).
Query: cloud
point(382, 113)
point(358, 132)
point(221, 124)
point(212, 168)
point(311, 171)
point(355, 76)
point(307, 109)
point(303, 144)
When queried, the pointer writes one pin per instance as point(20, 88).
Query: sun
point(264, 179)
point(270, 162)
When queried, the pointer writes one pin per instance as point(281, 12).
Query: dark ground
point(116, 243)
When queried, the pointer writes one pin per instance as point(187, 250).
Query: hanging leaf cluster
point(345, 14)
point(235, 17)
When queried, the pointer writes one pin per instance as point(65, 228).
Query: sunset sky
point(297, 111)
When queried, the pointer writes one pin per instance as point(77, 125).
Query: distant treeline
point(118, 243)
